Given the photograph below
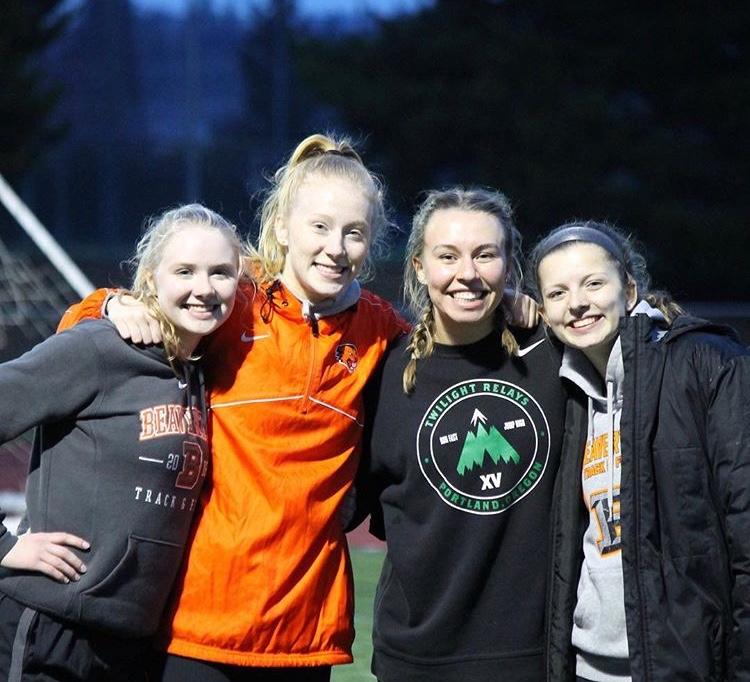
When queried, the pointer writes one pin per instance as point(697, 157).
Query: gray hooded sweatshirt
point(599, 631)
point(119, 458)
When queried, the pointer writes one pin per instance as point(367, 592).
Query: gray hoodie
point(119, 458)
point(599, 631)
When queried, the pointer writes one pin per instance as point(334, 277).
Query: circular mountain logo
point(483, 445)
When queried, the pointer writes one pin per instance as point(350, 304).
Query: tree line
point(630, 112)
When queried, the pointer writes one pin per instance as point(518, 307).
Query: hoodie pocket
point(599, 619)
point(130, 599)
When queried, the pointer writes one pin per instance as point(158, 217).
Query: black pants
point(178, 669)
point(35, 646)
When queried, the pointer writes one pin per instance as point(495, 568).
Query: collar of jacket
point(281, 299)
point(687, 323)
point(647, 320)
point(653, 328)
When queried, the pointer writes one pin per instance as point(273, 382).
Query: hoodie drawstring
point(190, 373)
point(610, 442)
point(204, 395)
point(610, 445)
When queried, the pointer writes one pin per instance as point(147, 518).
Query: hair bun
point(317, 145)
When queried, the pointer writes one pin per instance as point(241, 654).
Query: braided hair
point(416, 296)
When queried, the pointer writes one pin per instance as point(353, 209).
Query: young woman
point(119, 459)
point(267, 588)
point(650, 575)
point(465, 435)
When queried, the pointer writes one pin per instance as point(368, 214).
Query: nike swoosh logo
point(528, 349)
point(246, 338)
point(181, 384)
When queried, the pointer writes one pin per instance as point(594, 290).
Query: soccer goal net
point(38, 281)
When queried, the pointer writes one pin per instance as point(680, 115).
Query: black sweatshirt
point(463, 471)
point(119, 459)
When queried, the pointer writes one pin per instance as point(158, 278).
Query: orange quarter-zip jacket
point(267, 581)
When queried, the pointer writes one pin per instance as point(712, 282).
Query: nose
point(578, 301)
point(202, 286)
point(335, 244)
point(467, 269)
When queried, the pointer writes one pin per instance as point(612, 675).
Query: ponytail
point(329, 157)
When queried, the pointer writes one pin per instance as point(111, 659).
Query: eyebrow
point(586, 276)
point(325, 217)
point(190, 264)
point(488, 245)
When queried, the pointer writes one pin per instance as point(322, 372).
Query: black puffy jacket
point(685, 508)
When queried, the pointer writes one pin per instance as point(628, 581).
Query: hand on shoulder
point(132, 319)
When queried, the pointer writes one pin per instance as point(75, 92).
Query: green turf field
point(366, 572)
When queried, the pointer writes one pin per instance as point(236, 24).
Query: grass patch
point(366, 564)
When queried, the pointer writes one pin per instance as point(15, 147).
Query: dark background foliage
point(632, 112)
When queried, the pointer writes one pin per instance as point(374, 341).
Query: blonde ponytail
point(327, 156)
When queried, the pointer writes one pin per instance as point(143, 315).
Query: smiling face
point(583, 299)
point(463, 264)
point(326, 233)
point(196, 281)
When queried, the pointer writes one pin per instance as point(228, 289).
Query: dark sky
point(305, 7)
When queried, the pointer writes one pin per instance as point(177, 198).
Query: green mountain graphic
point(491, 442)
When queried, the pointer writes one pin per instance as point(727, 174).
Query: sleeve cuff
point(7, 541)
point(110, 295)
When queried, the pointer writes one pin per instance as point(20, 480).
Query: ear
point(631, 294)
point(542, 313)
point(150, 283)
point(417, 264)
point(281, 231)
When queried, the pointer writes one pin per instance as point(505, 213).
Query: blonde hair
point(416, 295)
point(150, 250)
point(327, 156)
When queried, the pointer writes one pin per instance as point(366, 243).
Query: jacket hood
point(188, 373)
point(685, 324)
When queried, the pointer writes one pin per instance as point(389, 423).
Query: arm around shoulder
point(91, 307)
point(130, 316)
